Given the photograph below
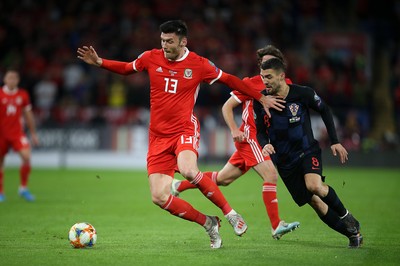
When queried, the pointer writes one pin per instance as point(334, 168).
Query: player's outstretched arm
point(89, 55)
point(237, 84)
point(339, 149)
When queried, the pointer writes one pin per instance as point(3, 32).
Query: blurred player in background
point(14, 104)
point(287, 136)
point(175, 75)
point(248, 152)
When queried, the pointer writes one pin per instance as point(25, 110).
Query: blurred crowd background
point(347, 50)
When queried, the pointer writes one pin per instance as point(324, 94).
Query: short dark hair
point(175, 26)
point(270, 50)
point(273, 63)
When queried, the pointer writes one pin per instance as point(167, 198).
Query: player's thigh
point(187, 164)
point(312, 180)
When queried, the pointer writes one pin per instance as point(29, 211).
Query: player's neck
point(284, 91)
point(181, 55)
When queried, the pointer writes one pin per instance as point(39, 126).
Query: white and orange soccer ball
point(82, 235)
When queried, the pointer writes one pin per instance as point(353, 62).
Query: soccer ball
point(82, 235)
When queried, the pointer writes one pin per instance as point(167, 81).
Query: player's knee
point(271, 178)
point(225, 182)
point(159, 199)
point(188, 173)
point(315, 188)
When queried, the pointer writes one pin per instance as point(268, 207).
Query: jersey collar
point(184, 55)
point(8, 91)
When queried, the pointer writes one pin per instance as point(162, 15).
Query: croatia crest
point(294, 108)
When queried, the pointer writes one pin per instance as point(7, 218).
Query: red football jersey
point(12, 105)
point(248, 126)
point(174, 87)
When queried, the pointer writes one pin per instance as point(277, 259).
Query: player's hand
point(89, 55)
point(272, 102)
point(237, 135)
point(339, 149)
point(35, 139)
point(268, 150)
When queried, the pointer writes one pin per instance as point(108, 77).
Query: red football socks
point(211, 191)
point(24, 172)
point(271, 203)
point(184, 210)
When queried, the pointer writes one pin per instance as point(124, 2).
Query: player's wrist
point(99, 62)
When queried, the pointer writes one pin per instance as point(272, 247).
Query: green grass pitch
point(133, 231)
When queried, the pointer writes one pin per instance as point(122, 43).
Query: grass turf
point(133, 231)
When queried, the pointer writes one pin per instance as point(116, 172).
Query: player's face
point(11, 79)
point(173, 46)
point(272, 80)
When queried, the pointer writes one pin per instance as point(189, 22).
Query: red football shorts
point(17, 143)
point(247, 155)
point(163, 152)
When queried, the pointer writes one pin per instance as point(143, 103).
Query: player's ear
point(183, 42)
point(282, 75)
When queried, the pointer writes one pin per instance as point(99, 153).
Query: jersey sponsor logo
point(173, 73)
point(187, 74)
point(159, 69)
point(294, 108)
point(294, 119)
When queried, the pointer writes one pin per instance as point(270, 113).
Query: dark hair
point(273, 63)
point(175, 26)
point(270, 50)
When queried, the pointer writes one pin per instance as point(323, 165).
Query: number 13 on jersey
point(171, 85)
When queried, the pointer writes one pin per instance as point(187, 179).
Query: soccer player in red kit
point(175, 75)
point(14, 103)
point(248, 152)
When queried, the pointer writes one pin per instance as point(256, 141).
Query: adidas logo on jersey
point(159, 69)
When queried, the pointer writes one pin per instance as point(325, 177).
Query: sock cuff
point(197, 178)
point(269, 184)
